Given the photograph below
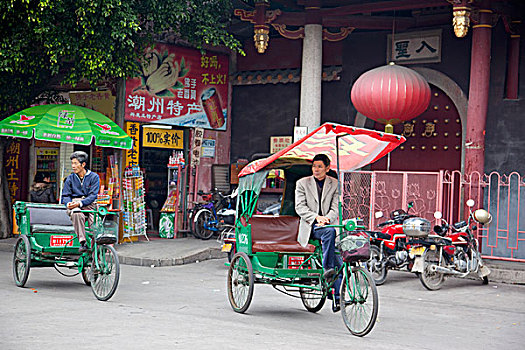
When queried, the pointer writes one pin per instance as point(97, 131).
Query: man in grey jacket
point(80, 193)
point(316, 202)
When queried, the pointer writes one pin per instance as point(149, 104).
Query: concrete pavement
point(171, 252)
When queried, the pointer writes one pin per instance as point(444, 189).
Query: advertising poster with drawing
point(179, 86)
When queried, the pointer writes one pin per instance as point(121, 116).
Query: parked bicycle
point(208, 218)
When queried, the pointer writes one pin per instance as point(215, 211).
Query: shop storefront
point(178, 103)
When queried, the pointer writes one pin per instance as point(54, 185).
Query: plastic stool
point(149, 219)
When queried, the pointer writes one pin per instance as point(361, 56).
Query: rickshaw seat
point(277, 234)
point(50, 220)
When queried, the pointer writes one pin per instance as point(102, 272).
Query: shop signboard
point(132, 155)
point(179, 86)
point(278, 143)
point(16, 161)
point(162, 138)
point(208, 148)
point(196, 146)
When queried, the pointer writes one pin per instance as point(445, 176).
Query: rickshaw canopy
point(347, 146)
point(357, 147)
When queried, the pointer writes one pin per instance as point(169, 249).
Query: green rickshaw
point(267, 248)
point(47, 237)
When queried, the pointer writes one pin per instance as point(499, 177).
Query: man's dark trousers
point(331, 260)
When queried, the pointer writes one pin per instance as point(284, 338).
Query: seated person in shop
point(316, 202)
point(80, 193)
point(41, 190)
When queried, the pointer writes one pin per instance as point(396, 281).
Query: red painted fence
point(366, 192)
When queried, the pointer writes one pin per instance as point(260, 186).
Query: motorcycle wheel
point(375, 266)
point(431, 280)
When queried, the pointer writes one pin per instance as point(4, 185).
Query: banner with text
point(162, 138)
point(179, 86)
point(132, 155)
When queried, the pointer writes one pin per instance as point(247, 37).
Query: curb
point(205, 254)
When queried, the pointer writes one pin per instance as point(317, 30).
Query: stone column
point(311, 76)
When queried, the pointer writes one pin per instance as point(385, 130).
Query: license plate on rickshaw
point(417, 250)
point(226, 247)
point(61, 241)
point(295, 262)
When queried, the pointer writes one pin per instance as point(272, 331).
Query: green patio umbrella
point(65, 123)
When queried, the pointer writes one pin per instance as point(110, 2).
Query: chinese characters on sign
point(162, 138)
point(416, 47)
point(179, 86)
point(15, 161)
point(132, 155)
point(196, 146)
point(278, 143)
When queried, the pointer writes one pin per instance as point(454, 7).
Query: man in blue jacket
point(80, 193)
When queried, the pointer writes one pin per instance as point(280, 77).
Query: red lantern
point(390, 95)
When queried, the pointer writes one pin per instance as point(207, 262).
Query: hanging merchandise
point(169, 214)
point(134, 214)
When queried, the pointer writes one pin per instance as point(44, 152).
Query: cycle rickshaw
point(47, 236)
point(48, 239)
point(267, 248)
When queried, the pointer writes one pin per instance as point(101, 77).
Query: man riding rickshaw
point(286, 251)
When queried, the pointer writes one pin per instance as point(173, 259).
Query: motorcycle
point(389, 249)
point(454, 253)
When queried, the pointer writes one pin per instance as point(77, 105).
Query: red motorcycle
point(388, 248)
point(453, 251)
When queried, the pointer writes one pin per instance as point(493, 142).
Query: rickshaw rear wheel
point(104, 275)
point(240, 282)
point(21, 260)
point(313, 300)
point(359, 301)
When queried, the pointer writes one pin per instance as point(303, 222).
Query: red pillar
point(513, 63)
point(478, 93)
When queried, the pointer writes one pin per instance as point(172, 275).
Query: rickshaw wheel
point(22, 260)
point(359, 301)
point(105, 275)
point(313, 300)
point(240, 282)
point(85, 276)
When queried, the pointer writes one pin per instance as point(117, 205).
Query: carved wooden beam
point(249, 16)
point(288, 34)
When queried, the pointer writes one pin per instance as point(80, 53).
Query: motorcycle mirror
point(474, 228)
point(410, 204)
point(470, 203)
point(438, 229)
point(378, 214)
point(438, 215)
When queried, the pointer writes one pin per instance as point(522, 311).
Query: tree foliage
point(49, 42)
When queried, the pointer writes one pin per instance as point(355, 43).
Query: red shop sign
point(179, 86)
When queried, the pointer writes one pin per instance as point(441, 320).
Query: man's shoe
point(336, 306)
point(83, 247)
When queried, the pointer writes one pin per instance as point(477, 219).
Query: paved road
point(185, 307)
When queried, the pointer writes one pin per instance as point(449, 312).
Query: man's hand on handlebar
point(322, 220)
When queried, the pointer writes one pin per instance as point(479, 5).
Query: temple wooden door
point(433, 139)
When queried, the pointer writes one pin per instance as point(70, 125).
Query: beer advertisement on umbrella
point(179, 86)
